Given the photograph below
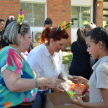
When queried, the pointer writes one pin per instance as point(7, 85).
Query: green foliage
point(67, 59)
point(105, 24)
point(85, 22)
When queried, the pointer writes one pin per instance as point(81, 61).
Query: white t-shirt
point(99, 79)
point(42, 62)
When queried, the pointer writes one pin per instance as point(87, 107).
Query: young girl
point(97, 42)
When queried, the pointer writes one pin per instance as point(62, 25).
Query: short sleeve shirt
point(11, 59)
point(99, 79)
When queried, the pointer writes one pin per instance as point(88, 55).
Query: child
point(97, 42)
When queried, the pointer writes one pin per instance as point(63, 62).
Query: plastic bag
point(74, 89)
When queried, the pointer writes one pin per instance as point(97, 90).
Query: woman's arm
point(15, 83)
point(103, 104)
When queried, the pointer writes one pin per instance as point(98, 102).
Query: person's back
point(80, 65)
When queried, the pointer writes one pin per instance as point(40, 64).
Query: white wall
point(105, 5)
point(36, 28)
point(82, 2)
point(73, 34)
point(38, 1)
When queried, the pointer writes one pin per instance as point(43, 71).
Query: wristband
point(37, 82)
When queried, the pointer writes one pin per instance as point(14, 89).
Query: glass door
point(80, 16)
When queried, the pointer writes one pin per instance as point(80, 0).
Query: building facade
point(79, 12)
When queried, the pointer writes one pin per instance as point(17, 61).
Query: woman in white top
point(46, 59)
point(97, 42)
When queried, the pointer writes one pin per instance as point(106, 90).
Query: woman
point(48, 23)
point(80, 65)
point(9, 20)
point(46, 59)
point(89, 27)
point(18, 82)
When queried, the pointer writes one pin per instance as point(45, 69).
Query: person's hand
point(58, 89)
point(78, 79)
point(50, 82)
point(77, 101)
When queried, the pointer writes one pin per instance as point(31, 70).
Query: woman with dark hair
point(80, 65)
point(48, 23)
point(46, 59)
point(89, 27)
point(9, 20)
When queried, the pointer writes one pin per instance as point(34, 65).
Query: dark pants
point(22, 106)
point(39, 100)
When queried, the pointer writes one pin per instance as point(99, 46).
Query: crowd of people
point(25, 81)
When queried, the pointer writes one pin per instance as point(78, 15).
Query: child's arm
point(79, 79)
point(103, 104)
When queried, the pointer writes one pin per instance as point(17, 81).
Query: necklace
point(52, 63)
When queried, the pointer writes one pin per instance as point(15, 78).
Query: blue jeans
point(21, 106)
point(39, 100)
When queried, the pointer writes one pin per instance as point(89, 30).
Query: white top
point(24, 54)
point(42, 62)
point(99, 79)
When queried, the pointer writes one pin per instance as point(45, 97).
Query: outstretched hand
point(50, 82)
point(58, 89)
point(79, 79)
point(78, 101)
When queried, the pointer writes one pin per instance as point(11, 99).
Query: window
point(80, 16)
point(34, 13)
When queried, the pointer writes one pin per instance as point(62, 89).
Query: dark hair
point(48, 21)
point(80, 36)
point(99, 34)
point(1, 20)
point(9, 20)
point(48, 33)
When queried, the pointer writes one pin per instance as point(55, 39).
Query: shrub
point(67, 58)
